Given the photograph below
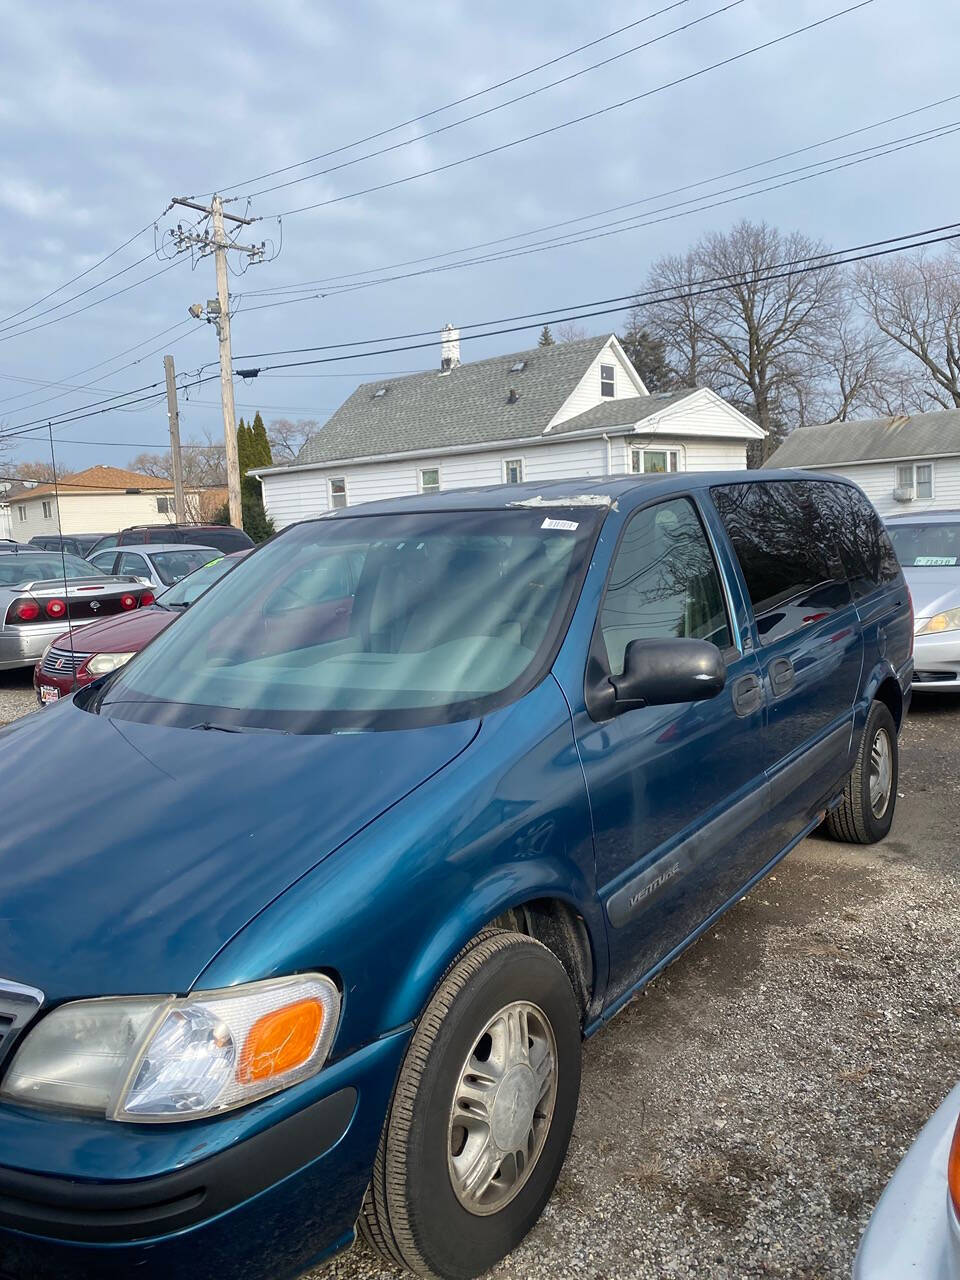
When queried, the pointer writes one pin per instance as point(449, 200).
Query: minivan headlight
point(158, 1058)
point(948, 621)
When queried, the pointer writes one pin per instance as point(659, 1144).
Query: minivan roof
point(588, 491)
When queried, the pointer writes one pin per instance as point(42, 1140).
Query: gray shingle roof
point(469, 405)
point(922, 435)
point(622, 413)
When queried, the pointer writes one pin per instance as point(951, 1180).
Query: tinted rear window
point(779, 530)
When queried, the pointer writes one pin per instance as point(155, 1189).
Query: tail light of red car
point(953, 1170)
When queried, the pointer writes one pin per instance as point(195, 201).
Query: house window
point(608, 375)
point(163, 506)
point(654, 461)
point(22, 512)
point(430, 480)
point(916, 478)
point(338, 492)
point(513, 470)
point(47, 510)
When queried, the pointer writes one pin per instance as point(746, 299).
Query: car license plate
point(48, 693)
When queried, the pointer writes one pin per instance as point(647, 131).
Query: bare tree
point(288, 438)
point(570, 331)
point(39, 472)
point(204, 472)
point(915, 302)
point(755, 340)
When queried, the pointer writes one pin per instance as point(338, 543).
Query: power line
point(619, 227)
point(81, 274)
point(648, 298)
point(566, 124)
point(457, 102)
point(5, 328)
point(545, 313)
point(96, 303)
point(647, 220)
point(500, 106)
point(100, 363)
point(598, 213)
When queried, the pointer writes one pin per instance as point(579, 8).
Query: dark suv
point(223, 537)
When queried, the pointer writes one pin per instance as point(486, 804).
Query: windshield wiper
point(212, 726)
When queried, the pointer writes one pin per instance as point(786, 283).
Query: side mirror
point(658, 672)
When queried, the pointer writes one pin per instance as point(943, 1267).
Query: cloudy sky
point(108, 109)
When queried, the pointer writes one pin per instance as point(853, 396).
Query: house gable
point(627, 384)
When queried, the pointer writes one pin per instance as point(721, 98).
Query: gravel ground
point(741, 1117)
point(16, 694)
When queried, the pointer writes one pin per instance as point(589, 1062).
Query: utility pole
point(173, 415)
point(218, 314)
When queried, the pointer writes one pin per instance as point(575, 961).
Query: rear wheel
point(870, 796)
point(482, 1113)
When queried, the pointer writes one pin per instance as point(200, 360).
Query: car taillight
point(953, 1170)
point(23, 611)
point(147, 597)
point(56, 608)
point(128, 602)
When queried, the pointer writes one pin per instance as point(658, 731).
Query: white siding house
point(902, 463)
point(98, 500)
point(562, 411)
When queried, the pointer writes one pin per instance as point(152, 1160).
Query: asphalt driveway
point(742, 1116)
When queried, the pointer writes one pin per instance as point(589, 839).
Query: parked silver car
point(42, 591)
point(928, 546)
point(915, 1228)
point(159, 563)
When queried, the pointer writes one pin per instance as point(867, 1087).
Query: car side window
point(784, 535)
point(130, 563)
point(663, 583)
point(104, 560)
point(864, 544)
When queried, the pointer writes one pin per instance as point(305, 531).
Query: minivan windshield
point(368, 622)
point(926, 546)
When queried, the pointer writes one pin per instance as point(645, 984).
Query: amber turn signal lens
point(953, 1170)
point(280, 1041)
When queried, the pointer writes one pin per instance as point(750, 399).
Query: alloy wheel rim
point(502, 1108)
point(881, 773)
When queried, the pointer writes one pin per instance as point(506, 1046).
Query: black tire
point(411, 1213)
point(855, 821)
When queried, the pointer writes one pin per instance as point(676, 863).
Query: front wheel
point(870, 796)
point(482, 1114)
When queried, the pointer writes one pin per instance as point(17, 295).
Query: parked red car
point(103, 646)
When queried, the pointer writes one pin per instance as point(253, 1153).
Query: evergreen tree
point(244, 442)
point(261, 454)
point(546, 337)
point(648, 356)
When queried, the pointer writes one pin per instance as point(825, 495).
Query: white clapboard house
point(902, 463)
point(555, 412)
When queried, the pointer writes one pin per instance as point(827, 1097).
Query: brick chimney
point(449, 348)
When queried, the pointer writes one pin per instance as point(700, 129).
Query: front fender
point(505, 822)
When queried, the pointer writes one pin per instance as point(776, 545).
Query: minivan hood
point(130, 853)
point(933, 590)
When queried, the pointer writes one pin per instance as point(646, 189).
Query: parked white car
point(160, 564)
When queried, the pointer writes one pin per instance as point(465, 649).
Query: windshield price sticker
point(928, 562)
point(568, 526)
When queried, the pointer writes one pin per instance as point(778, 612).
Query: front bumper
point(914, 1230)
point(22, 646)
point(936, 662)
point(259, 1194)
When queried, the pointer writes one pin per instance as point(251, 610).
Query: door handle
point(747, 694)
point(781, 675)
